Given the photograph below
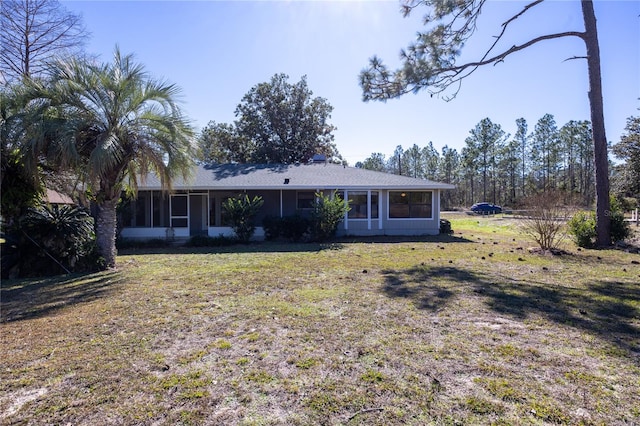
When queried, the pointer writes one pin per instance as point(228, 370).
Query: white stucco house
point(381, 203)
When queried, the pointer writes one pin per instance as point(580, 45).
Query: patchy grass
point(470, 328)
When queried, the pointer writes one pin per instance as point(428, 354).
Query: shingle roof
point(299, 176)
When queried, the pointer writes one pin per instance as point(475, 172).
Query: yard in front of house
point(464, 329)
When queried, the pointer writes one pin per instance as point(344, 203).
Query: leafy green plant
point(295, 227)
point(240, 213)
point(582, 225)
point(272, 226)
point(327, 213)
point(53, 239)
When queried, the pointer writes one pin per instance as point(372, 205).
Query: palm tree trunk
point(603, 220)
point(106, 231)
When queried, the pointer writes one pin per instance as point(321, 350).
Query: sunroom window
point(410, 204)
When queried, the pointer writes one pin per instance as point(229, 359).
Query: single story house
point(381, 203)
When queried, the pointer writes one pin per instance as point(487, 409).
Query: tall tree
point(430, 63)
point(545, 151)
point(486, 140)
point(285, 123)
point(396, 164)
point(375, 162)
point(628, 149)
point(221, 143)
point(412, 157)
point(431, 160)
point(522, 139)
point(112, 123)
point(34, 33)
point(448, 173)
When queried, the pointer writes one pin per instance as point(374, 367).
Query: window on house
point(305, 200)
point(410, 205)
point(358, 204)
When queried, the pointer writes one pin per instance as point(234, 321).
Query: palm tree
point(111, 123)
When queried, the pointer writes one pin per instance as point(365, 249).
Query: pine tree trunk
point(106, 231)
point(603, 220)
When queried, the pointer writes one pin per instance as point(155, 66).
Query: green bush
point(55, 239)
point(272, 226)
point(582, 226)
point(327, 213)
point(295, 227)
point(239, 213)
point(206, 241)
point(619, 228)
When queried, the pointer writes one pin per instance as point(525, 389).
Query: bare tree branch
point(33, 33)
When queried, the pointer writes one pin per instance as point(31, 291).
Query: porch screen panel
point(160, 209)
point(179, 211)
point(143, 209)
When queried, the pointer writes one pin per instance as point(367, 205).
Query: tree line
point(506, 169)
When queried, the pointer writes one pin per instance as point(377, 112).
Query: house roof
point(311, 176)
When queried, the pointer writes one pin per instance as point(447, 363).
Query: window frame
point(410, 206)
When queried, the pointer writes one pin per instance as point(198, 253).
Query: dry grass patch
point(464, 329)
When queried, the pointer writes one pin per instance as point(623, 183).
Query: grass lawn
point(463, 329)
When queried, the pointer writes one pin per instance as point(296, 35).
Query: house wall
point(288, 206)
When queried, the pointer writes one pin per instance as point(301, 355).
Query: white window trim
point(410, 218)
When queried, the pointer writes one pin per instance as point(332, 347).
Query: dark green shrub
point(136, 243)
point(619, 228)
point(327, 213)
point(582, 227)
point(205, 241)
point(295, 227)
point(239, 213)
point(55, 239)
point(445, 227)
point(272, 226)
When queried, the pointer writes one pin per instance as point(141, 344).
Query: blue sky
point(217, 50)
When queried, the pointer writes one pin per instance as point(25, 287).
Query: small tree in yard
point(327, 213)
point(240, 212)
point(544, 223)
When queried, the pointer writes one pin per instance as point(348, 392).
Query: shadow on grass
point(420, 285)
point(608, 309)
point(289, 247)
point(255, 247)
point(33, 298)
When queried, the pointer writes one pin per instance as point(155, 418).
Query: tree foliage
point(35, 32)
point(277, 122)
point(627, 180)
point(110, 123)
point(494, 167)
point(221, 143)
point(431, 63)
point(327, 213)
